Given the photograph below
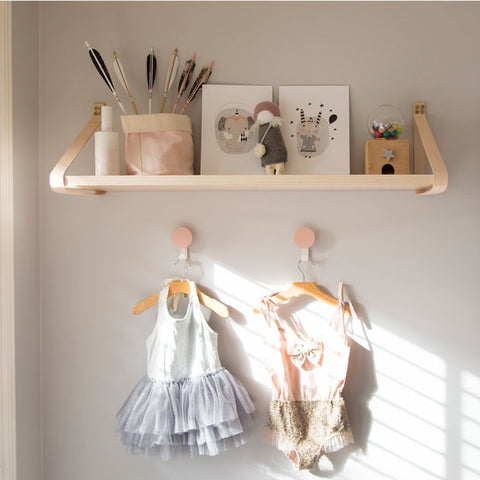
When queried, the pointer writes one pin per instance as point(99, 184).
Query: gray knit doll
point(271, 147)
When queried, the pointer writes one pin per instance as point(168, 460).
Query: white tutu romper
point(187, 402)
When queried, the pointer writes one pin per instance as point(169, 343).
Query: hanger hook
point(300, 270)
point(187, 266)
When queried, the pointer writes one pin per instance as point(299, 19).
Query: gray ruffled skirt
point(202, 415)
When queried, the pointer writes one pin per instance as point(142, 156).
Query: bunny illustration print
point(316, 129)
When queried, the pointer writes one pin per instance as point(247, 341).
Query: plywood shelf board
point(249, 182)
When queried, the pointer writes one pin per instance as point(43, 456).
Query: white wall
point(410, 263)
point(27, 312)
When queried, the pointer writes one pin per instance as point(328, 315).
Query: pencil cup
point(158, 144)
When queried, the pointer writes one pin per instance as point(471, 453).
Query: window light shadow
point(396, 395)
point(469, 426)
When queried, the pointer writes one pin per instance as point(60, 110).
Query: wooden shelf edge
point(113, 183)
point(425, 149)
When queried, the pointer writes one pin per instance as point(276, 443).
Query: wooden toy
point(387, 157)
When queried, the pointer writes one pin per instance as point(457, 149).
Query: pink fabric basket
point(158, 144)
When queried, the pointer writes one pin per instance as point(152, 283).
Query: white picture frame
point(228, 135)
point(316, 129)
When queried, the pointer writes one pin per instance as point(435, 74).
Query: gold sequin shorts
point(304, 430)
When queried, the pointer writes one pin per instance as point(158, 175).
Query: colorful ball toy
point(386, 123)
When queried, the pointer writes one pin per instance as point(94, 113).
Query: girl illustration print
point(313, 136)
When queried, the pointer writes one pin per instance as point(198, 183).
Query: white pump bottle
point(107, 146)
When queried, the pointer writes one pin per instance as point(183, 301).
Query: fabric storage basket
point(158, 144)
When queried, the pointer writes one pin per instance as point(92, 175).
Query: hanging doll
point(271, 147)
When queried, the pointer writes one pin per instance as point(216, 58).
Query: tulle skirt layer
point(202, 415)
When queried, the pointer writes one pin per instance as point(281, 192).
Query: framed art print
point(228, 132)
point(316, 129)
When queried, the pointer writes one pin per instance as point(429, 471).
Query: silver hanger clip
point(184, 256)
point(304, 254)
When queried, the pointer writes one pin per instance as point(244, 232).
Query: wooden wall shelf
point(425, 149)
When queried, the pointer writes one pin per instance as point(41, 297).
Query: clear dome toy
point(386, 122)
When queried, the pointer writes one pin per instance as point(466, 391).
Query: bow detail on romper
point(299, 352)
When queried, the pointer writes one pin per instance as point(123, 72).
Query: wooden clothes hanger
point(305, 238)
point(182, 238)
point(182, 286)
point(306, 288)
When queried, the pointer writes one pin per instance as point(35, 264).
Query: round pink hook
point(182, 237)
point(304, 237)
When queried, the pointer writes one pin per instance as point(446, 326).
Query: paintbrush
point(184, 79)
point(103, 71)
point(202, 78)
point(172, 71)
point(151, 74)
point(117, 66)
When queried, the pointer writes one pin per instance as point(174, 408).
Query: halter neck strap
point(268, 310)
point(193, 296)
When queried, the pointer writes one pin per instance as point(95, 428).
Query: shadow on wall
point(396, 395)
point(360, 382)
point(360, 386)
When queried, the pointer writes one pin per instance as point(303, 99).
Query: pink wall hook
point(304, 237)
point(182, 238)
